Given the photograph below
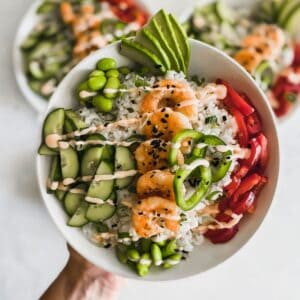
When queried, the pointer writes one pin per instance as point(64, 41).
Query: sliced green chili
point(220, 170)
point(176, 142)
point(181, 175)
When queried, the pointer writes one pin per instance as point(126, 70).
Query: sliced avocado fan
point(161, 45)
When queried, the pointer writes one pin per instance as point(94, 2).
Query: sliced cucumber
point(42, 49)
point(72, 201)
point(108, 150)
point(60, 195)
point(102, 189)
point(55, 171)
point(35, 70)
point(29, 43)
point(75, 119)
point(68, 126)
point(79, 219)
point(54, 122)
point(224, 12)
point(113, 196)
point(44, 150)
point(124, 161)
point(100, 212)
point(69, 163)
point(90, 161)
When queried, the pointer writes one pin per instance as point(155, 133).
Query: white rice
point(127, 106)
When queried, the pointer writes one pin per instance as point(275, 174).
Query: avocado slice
point(155, 30)
point(285, 10)
point(148, 40)
point(168, 31)
point(291, 23)
point(182, 40)
point(142, 55)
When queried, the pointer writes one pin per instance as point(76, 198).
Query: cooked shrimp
point(261, 46)
point(171, 93)
point(154, 214)
point(87, 9)
point(249, 59)
point(153, 154)
point(165, 123)
point(156, 182)
point(67, 13)
point(271, 33)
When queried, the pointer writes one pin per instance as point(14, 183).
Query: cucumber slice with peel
point(35, 70)
point(102, 189)
point(68, 126)
point(77, 121)
point(44, 150)
point(60, 195)
point(79, 219)
point(69, 163)
point(100, 212)
point(124, 161)
point(55, 172)
point(90, 161)
point(54, 122)
point(73, 200)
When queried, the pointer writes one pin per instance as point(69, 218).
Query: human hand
point(81, 280)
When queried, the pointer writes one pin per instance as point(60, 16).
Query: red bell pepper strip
point(252, 160)
point(222, 217)
point(263, 142)
point(235, 100)
point(296, 61)
point(244, 203)
point(232, 186)
point(242, 128)
point(253, 124)
point(247, 185)
point(220, 236)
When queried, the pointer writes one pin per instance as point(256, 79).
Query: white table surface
point(32, 251)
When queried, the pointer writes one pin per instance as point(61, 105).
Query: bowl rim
point(37, 102)
point(276, 168)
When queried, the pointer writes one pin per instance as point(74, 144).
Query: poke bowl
point(176, 188)
point(262, 36)
point(44, 49)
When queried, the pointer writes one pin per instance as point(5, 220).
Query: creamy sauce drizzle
point(196, 163)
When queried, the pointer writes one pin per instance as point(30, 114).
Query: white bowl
point(205, 61)
point(30, 19)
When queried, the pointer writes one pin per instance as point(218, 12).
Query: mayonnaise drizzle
point(99, 201)
point(196, 163)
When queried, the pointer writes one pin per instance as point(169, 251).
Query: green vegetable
point(176, 141)
point(102, 103)
point(220, 169)
point(172, 261)
point(111, 88)
point(124, 70)
point(133, 255)
point(181, 175)
point(106, 64)
point(113, 73)
point(97, 73)
point(121, 252)
point(97, 83)
point(169, 249)
point(156, 254)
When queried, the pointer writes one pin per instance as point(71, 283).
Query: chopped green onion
point(211, 120)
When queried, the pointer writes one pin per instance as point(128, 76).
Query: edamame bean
point(97, 73)
point(124, 70)
point(121, 252)
point(131, 265)
point(142, 270)
point(161, 243)
point(172, 261)
point(97, 83)
point(144, 264)
point(102, 103)
point(169, 249)
point(106, 64)
point(112, 73)
point(133, 255)
point(145, 245)
point(111, 88)
point(145, 260)
point(82, 87)
point(156, 254)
